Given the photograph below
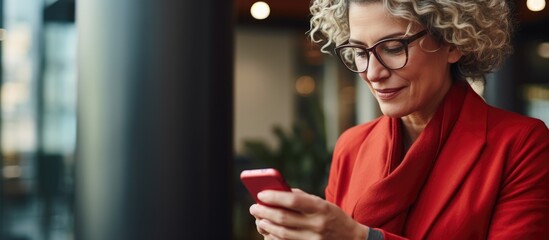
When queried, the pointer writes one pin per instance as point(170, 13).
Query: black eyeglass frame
point(404, 40)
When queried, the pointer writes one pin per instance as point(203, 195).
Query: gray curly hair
point(479, 29)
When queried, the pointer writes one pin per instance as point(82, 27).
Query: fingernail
point(261, 196)
point(252, 209)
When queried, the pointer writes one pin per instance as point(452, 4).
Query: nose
point(376, 71)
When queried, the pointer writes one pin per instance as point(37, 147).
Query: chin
point(393, 112)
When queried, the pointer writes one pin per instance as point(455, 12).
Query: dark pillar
point(501, 88)
point(155, 119)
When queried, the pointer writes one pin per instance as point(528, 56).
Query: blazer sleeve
point(389, 236)
point(522, 209)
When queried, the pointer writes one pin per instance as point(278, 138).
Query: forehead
point(370, 22)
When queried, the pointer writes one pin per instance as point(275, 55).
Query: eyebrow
point(398, 34)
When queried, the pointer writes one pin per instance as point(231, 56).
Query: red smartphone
point(257, 180)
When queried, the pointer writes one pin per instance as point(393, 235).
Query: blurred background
point(128, 120)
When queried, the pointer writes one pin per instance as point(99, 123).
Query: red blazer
point(489, 178)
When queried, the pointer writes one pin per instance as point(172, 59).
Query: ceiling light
point(535, 5)
point(260, 10)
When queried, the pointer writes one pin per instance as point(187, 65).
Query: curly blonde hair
point(479, 29)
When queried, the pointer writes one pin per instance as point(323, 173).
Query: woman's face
point(419, 86)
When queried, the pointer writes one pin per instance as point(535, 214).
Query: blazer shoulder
point(505, 121)
point(515, 129)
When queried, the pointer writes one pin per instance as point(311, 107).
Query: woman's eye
point(392, 48)
point(360, 53)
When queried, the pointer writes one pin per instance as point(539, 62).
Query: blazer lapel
point(465, 144)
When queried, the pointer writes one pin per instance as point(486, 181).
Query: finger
point(253, 210)
point(283, 217)
point(257, 219)
point(271, 237)
point(266, 235)
point(297, 201)
point(259, 229)
point(280, 232)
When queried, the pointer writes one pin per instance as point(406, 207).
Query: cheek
point(428, 67)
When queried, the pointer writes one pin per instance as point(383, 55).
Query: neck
point(412, 129)
point(414, 123)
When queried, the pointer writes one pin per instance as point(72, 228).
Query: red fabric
point(475, 172)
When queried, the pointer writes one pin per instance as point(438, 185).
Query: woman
point(440, 163)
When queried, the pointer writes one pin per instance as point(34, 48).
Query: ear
point(454, 54)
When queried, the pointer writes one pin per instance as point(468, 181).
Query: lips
point(388, 93)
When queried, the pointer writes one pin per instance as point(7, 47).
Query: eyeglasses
point(392, 53)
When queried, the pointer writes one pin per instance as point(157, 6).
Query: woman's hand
point(303, 216)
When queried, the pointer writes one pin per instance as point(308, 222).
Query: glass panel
point(38, 123)
point(20, 60)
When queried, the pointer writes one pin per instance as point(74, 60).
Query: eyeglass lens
point(392, 54)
